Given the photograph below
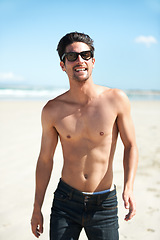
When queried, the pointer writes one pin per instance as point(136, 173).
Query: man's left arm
point(130, 159)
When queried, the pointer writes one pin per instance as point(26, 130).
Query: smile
point(80, 69)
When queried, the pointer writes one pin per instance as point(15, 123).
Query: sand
point(20, 136)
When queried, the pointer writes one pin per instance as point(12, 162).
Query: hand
point(129, 203)
point(37, 223)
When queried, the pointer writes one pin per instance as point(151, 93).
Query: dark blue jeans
point(72, 210)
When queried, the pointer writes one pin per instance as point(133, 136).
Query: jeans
point(72, 210)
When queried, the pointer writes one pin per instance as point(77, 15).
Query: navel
point(85, 176)
point(68, 136)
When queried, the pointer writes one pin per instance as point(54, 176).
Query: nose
point(80, 59)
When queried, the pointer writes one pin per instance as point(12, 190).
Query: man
point(87, 119)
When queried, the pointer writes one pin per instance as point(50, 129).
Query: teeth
point(81, 69)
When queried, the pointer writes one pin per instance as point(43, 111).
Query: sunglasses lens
point(86, 55)
point(72, 56)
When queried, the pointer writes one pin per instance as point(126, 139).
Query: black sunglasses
point(72, 56)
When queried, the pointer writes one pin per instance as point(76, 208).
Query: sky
point(126, 36)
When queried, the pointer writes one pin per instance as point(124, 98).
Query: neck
point(83, 92)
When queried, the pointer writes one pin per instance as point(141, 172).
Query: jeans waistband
point(79, 196)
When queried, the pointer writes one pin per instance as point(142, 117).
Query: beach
point(20, 138)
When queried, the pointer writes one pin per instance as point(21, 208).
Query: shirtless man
point(87, 119)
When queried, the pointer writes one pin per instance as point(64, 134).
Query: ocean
point(30, 93)
point(47, 93)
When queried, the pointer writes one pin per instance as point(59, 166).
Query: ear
point(93, 61)
point(62, 66)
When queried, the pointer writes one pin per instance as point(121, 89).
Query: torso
point(88, 134)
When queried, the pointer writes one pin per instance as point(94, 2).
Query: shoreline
point(45, 93)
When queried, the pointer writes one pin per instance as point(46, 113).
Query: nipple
point(101, 133)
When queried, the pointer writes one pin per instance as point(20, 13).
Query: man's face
point(80, 70)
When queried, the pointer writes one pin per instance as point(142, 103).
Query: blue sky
point(126, 36)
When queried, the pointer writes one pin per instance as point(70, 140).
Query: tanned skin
point(87, 119)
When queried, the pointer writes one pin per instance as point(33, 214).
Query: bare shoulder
point(53, 107)
point(122, 101)
point(119, 95)
point(55, 103)
point(119, 99)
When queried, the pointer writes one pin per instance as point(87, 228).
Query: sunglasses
point(72, 56)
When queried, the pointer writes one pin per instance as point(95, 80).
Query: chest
point(89, 122)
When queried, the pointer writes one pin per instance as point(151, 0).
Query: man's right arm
point(44, 168)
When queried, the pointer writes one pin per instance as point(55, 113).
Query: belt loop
point(98, 199)
point(70, 195)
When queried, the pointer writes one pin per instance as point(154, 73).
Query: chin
point(81, 79)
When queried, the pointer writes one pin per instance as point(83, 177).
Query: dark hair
point(72, 37)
